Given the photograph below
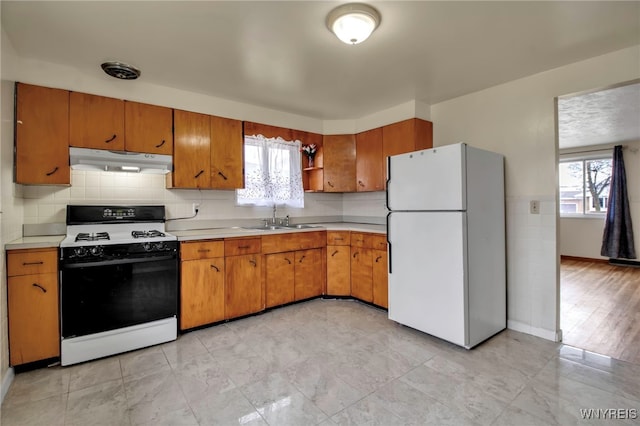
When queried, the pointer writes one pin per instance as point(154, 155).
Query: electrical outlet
point(194, 208)
point(534, 207)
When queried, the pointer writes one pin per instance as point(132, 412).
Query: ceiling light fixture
point(121, 70)
point(353, 23)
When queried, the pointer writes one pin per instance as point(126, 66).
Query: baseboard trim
point(6, 383)
point(554, 336)
point(584, 259)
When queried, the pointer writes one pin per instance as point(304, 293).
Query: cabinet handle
point(33, 263)
point(19, 121)
point(330, 184)
point(360, 183)
point(355, 254)
point(161, 143)
point(287, 259)
point(53, 171)
point(378, 258)
point(111, 139)
point(244, 247)
point(334, 253)
point(339, 239)
point(302, 258)
point(223, 176)
point(253, 262)
point(204, 250)
point(215, 267)
point(44, 290)
point(199, 173)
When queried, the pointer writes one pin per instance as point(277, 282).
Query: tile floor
point(329, 362)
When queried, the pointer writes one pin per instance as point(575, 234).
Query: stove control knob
point(96, 250)
point(147, 246)
point(80, 251)
point(160, 246)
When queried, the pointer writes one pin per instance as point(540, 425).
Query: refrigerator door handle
point(389, 242)
point(387, 183)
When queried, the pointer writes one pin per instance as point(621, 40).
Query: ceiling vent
point(120, 70)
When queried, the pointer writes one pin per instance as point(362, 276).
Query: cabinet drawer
point(33, 261)
point(201, 250)
point(360, 239)
point(378, 242)
point(338, 238)
point(235, 247)
point(292, 241)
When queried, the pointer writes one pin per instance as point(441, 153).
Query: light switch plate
point(534, 207)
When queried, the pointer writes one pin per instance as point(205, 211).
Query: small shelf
point(308, 169)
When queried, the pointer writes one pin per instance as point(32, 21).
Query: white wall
point(582, 237)
point(517, 119)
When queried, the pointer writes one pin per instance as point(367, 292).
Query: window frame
point(583, 157)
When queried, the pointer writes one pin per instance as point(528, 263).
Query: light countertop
point(49, 241)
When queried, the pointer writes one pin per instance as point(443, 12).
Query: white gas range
point(118, 281)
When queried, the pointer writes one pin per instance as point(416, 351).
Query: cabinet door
point(339, 163)
point(338, 271)
point(191, 156)
point(280, 276)
point(96, 122)
point(42, 135)
point(361, 274)
point(34, 332)
point(309, 276)
point(227, 153)
point(148, 128)
point(370, 165)
point(201, 292)
point(380, 279)
point(406, 136)
point(243, 285)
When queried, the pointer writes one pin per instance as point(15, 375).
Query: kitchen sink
point(299, 226)
point(275, 227)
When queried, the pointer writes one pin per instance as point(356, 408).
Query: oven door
point(109, 295)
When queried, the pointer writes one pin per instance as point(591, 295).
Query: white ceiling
point(602, 117)
point(280, 55)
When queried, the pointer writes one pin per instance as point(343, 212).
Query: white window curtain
point(272, 173)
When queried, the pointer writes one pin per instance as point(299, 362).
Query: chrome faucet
point(273, 218)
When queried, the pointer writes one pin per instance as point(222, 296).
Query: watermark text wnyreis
point(609, 413)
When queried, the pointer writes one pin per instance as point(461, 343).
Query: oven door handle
point(118, 262)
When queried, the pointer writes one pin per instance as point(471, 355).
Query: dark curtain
point(617, 241)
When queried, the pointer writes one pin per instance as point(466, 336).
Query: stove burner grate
point(86, 236)
point(147, 234)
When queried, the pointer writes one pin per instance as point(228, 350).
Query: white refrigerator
point(446, 235)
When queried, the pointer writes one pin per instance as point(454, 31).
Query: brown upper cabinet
point(191, 150)
point(339, 163)
point(148, 128)
point(370, 170)
point(107, 123)
point(96, 122)
point(227, 153)
point(405, 136)
point(42, 135)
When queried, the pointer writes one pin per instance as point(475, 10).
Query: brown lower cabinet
point(243, 285)
point(309, 276)
point(201, 292)
point(380, 278)
point(339, 270)
point(32, 286)
point(293, 276)
point(362, 273)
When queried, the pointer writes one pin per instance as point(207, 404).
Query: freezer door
point(431, 179)
point(427, 283)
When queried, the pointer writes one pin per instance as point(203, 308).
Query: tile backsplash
point(47, 204)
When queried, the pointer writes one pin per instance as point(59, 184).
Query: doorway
point(599, 302)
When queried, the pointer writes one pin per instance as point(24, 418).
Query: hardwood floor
point(600, 308)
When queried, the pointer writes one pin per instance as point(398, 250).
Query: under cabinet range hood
point(119, 161)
